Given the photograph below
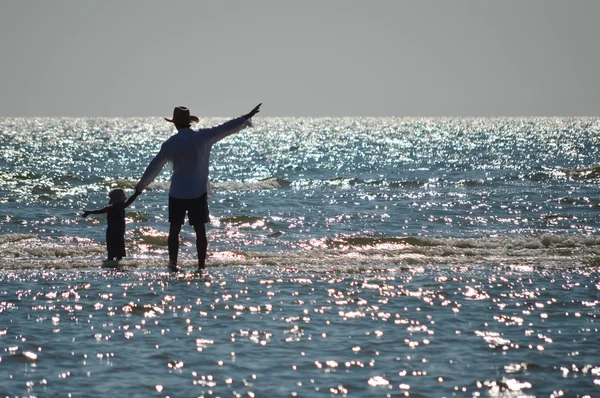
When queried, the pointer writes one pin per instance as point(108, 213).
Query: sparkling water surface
point(271, 331)
point(296, 183)
point(347, 257)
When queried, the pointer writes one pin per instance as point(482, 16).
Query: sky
point(116, 58)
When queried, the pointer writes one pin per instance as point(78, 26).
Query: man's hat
point(181, 116)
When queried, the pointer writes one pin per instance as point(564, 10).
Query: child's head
point(117, 196)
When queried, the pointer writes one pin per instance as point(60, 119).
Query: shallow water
point(323, 331)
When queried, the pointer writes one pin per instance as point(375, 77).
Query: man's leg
point(201, 244)
point(199, 216)
point(176, 218)
point(173, 240)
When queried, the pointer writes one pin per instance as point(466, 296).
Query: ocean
point(425, 257)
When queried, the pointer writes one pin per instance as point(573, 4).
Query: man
point(189, 153)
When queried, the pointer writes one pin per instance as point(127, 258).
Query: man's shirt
point(189, 152)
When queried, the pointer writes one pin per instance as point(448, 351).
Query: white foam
point(270, 183)
point(520, 253)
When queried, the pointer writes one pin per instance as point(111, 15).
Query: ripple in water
point(317, 331)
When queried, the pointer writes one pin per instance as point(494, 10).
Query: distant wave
point(242, 220)
point(581, 173)
point(52, 190)
point(566, 173)
point(263, 184)
point(278, 182)
point(27, 251)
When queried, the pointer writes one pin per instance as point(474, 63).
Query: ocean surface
point(425, 257)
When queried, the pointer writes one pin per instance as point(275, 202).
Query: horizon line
point(313, 117)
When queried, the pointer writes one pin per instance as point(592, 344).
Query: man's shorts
point(197, 210)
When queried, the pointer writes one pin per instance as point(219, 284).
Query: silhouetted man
point(189, 153)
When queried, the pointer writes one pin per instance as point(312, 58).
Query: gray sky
point(300, 58)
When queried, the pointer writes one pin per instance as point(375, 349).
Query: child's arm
point(132, 198)
point(88, 212)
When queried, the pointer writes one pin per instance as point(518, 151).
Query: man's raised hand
point(253, 111)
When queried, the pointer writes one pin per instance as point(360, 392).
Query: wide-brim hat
point(181, 116)
point(117, 196)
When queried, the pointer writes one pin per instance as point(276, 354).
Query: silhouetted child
point(115, 231)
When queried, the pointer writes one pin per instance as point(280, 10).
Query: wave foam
point(27, 251)
point(264, 184)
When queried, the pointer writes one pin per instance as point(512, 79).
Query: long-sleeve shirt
point(189, 153)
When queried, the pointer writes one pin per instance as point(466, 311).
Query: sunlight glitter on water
point(283, 331)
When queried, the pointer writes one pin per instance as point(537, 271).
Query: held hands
point(253, 111)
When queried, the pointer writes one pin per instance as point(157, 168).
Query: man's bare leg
point(201, 244)
point(173, 240)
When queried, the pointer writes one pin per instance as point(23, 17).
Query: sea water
point(347, 257)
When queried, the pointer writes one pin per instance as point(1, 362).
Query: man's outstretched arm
point(253, 112)
point(233, 126)
point(132, 198)
point(152, 170)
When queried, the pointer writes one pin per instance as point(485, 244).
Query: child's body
point(115, 231)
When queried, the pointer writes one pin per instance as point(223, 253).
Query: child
point(115, 231)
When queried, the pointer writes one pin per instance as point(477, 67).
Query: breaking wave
point(263, 184)
point(28, 251)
